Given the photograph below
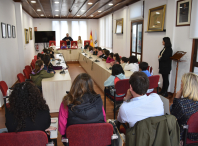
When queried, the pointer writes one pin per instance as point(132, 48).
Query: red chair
point(28, 68)
point(153, 83)
point(35, 57)
point(85, 41)
point(121, 87)
point(191, 127)
point(27, 138)
point(97, 134)
point(33, 63)
point(150, 69)
point(50, 42)
point(4, 88)
point(61, 42)
point(27, 75)
point(21, 78)
point(42, 52)
point(75, 43)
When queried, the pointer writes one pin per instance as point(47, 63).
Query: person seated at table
point(185, 103)
point(90, 49)
point(106, 53)
point(132, 64)
point(143, 68)
point(45, 51)
point(53, 46)
point(123, 61)
point(47, 64)
point(95, 52)
point(28, 110)
point(86, 45)
point(51, 52)
point(39, 73)
point(39, 56)
point(110, 58)
point(100, 53)
point(117, 71)
point(82, 105)
point(116, 57)
point(63, 46)
point(74, 45)
point(104, 56)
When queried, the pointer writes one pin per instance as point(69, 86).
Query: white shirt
point(140, 108)
point(132, 67)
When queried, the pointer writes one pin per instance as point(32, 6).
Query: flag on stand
point(91, 39)
point(96, 41)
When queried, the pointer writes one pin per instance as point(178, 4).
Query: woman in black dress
point(165, 64)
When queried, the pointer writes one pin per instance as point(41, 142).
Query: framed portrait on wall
point(183, 12)
point(30, 30)
point(13, 31)
point(119, 26)
point(9, 30)
point(26, 36)
point(3, 30)
point(156, 18)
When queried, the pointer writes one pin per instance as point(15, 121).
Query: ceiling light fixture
point(90, 3)
point(82, 10)
point(56, 15)
point(110, 4)
point(42, 15)
point(56, 10)
point(99, 11)
point(33, 1)
point(78, 15)
point(56, 2)
point(38, 9)
point(91, 15)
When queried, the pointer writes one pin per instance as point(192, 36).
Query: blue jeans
point(3, 130)
point(69, 46)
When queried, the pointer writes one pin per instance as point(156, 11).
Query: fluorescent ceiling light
point(56, 15)
point(90, 3)
point(91, 15)
point(99, 11)
point(56, 10)
point(78, 15)
point(33, 1)
point(82, 10)
point(42, 15)
point(56, 2)
point(38, 9)
point(110, 4)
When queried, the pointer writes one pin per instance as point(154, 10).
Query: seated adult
point(28, 110)
point(39, 73)
point(183, 107)
point(82, 105)
point(140, 106)
point(117, 71)
point(47, 64)
point(132, 64)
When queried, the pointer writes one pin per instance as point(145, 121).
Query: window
point(136, 39)
point(106, 32)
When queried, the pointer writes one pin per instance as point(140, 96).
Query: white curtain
point(106, 32)
point(79, 28)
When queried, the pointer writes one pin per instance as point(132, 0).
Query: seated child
point(90, 49)
point(110, 58)
point(53, 46)
point(95, 52)
point(124, 61)
point(116, 57)
point(106, 52)
point(63, 46)
point(86, 45)
point(100, 53)
point(39, 56)
point(104, 56)
point(51, 53)
point(74, 45)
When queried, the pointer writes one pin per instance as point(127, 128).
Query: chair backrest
point(27, 138)
point(27, 75)
point(50, 42)
point(72, 44)
point(90, 134)
point(192, 126)
point(28, 68)
point(122, 86)
point(21, 78)
point(35, 57)
point(153, 81)
point(3, 87)
point(42, 52)
point(61, 42)
point(150, 69)
point(86, 41)
point(33, 63)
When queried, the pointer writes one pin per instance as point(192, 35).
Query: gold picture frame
point(119, 26)
point(26, 36)
point(156, 18)
point(30, 30)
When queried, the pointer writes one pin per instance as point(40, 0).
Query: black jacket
point(89, 111)
point(67, 38)
point(41, 122)
point(165, 61)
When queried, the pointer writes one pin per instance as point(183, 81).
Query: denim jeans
point(69, 46)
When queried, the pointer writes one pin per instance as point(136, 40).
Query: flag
point(91, 39)
point(96, 41)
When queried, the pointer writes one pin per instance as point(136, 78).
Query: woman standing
point(165, 64)
point(79, 42)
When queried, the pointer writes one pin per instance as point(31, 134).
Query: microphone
point(90, 57)
point(97, 60)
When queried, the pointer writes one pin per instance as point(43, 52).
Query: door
point(195, 57)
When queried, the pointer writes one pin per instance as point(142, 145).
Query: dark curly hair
point(25, 101)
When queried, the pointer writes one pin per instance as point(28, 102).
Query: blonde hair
point(190, 86)
point(79, 40)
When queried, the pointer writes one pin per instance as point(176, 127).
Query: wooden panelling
point(72, 9)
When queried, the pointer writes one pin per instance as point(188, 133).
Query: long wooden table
point(99, 71)
point(54, 89)
point(70, 54)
